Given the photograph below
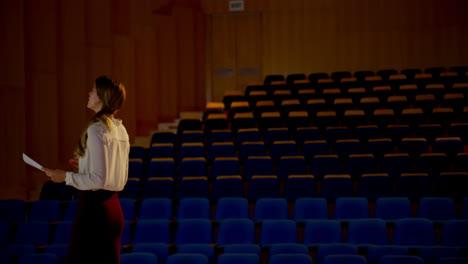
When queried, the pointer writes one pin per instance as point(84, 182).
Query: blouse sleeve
point(95, 177)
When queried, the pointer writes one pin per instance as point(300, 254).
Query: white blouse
point(105, 162)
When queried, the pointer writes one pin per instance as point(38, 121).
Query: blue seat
point(45, 210)
point(454, 233)
point(278, 231)
point(310, 209)
point(401, 260)
point(191, 136)
point(138, 257)
point(366, 132)
point(12, 253)
point(163, 136)
point(221, 150)
point(257, 165)
point(263, 186)
point(159, 187)
point(135, 168)
point(204, 249)
point(344, 259)
point(161, 167)
point(320, 232)
point(335, 186)
point(322, 165)
point(288, 248)
point(400, 131)
point(335, 133)
point(291, 165)
point(455, 260)
point(276, 134)
point(191, 150)
point(127, 233)
point(414, 185)
point(392, 208)
point(56, 191)
point(160, 250)
point(395, 164)
point(448, 145)
point(32, 232)
point(242, 249)
point(346, 147)
point(39, 258)
point(359, 164)
point(194, 231)
point(247, 135)
point(375, 185)
point(379, 147)
point(235, 258)
point(60, 250)
point(290, 258)
point(375, 252)
point(192, 208)
point(279, 149)
point(63, 232)
point(270, 209)
point(132, 189)
point(231, 207)
point(415, 232)
point(251, 149)
point(414, 146)
point(300, 186)
point(161, 150)
point(156, 208)
point(465, 208)
point(347, 208)
point(152, 231)
point(219, 136)
point(193, 187)
point(436, 208)
point(128, 208)
point(13, 210)
point(187, 258)
point(192, 167)
point(304, 134)
point(312, 148)
point(224, 167)
point(370, 231)
point(433, 163)
point(4, 233)
point(325, 250)
point(137, 152)
point(434, 254)
point(236, 231)
point(452, 184)
point(227, 186)
point(70, 210)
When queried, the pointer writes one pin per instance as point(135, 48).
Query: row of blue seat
point(251, 254)
point(386, 208)
point(410, 232)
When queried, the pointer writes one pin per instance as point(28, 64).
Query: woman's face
point(94, 103)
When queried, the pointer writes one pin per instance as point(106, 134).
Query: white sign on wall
point(237, 5)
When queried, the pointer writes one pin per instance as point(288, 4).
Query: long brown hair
point(112, 95)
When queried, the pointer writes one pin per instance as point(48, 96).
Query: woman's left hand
point(56, 176)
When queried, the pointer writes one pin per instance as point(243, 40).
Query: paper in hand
point(31, 162)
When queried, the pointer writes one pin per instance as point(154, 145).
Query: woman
point(103, 171)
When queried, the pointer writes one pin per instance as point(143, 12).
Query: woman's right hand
point(74, 162)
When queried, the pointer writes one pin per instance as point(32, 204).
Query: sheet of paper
point(31, 162)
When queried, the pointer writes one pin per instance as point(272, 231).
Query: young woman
point(103, 171)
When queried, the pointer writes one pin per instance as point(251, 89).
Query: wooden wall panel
point(12, 103)
point(54, 49)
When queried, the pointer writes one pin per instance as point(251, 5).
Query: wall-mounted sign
point(237, 5)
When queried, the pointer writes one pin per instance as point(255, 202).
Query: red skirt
point(97, 229)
